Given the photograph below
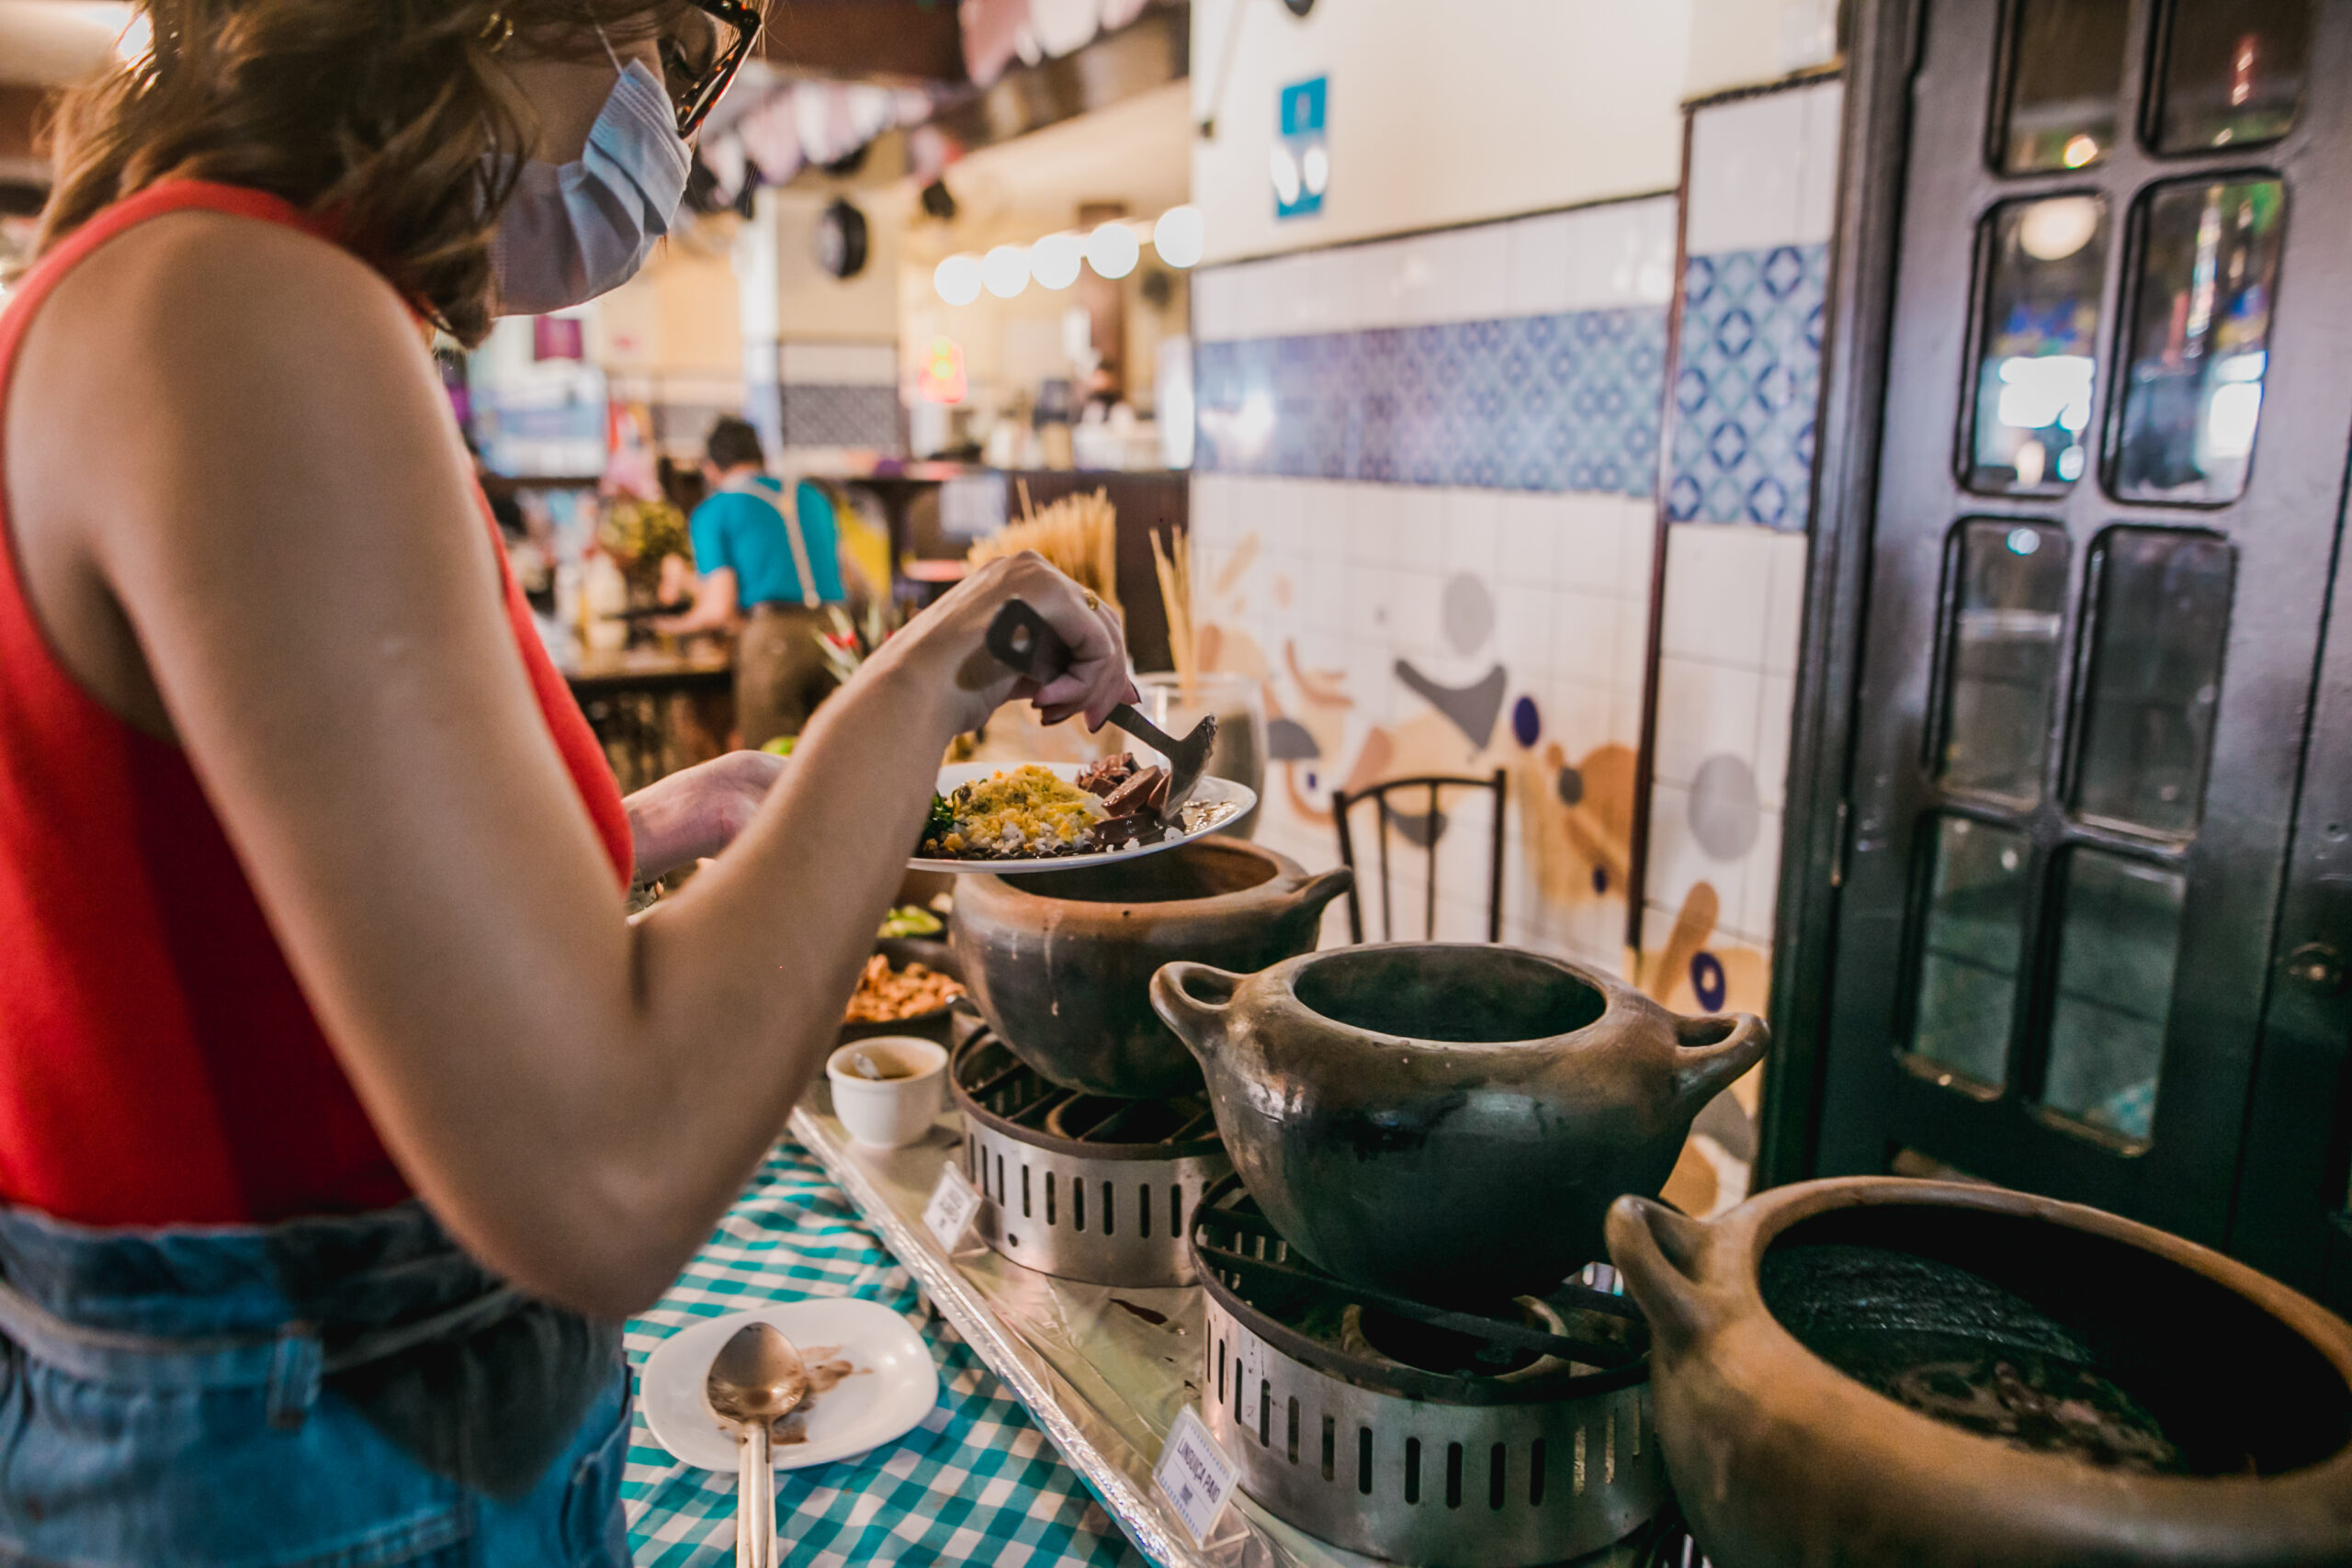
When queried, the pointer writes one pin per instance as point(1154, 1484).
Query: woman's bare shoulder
point(199, 276)
point(199, 394)
point(208, 338)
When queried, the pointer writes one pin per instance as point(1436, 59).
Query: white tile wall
point(1718, 585)
point(1592, 531)
point(1825, 108)
point(1764, 171)
point(1586, 636)
point(1629, 670)
point(1623, 256)
point(1542, 262)
point(1703, 710)
point(1761, 880)
point(1217, 303)
point(1620, 254)
point(1775, 704)
point(1784, 602)
point(1473, 536)
point(1733, 596)
point(1530, 538)
point(1676, 863)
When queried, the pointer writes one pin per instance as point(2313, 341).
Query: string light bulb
point(1005, 270)
point(1179, 236)
point(1113, 250)
point(1054, 261)
point(957, 278)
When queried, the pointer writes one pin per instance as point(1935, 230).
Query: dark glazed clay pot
point(1060, 961)
point(2224, 1400)
point(1449, 1123)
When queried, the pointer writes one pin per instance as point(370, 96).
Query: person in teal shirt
point(767, 566)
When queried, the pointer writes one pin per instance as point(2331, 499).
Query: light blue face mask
point(572, 231)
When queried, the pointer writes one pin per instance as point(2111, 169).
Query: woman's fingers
point(1096, 680)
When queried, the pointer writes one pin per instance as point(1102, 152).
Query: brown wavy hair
point(394, 121)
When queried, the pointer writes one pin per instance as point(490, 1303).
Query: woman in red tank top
point(333, 1081)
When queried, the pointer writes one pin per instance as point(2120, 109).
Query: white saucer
point(892, 1386)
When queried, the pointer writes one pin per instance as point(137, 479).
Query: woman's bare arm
point(230, 465)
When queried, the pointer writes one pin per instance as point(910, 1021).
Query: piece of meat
point(1102, 777)
point(1118, 832)
point(1157, 801)
point(1135, 791)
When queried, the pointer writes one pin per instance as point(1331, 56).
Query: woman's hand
point(948, 643)
point(698, 811)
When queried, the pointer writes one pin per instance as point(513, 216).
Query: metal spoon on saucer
point(756, 1378)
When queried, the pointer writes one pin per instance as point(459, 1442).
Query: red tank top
point(158, 1063)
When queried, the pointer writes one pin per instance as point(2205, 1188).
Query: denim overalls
point(351, 1391)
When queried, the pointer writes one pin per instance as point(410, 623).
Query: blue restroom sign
point(1302, 154)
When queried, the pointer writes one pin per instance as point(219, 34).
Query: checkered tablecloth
point(976, 1483)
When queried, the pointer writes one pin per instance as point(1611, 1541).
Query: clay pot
point(1449, 1123)
point(1780, 1458)
point(1060, 961)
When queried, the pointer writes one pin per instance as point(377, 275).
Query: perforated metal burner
point(1416, 1434)
point(1081, 1186)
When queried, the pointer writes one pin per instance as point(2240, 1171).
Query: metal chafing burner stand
point(1504, 1441)
point(1080, 1186)
point(1102, 1380)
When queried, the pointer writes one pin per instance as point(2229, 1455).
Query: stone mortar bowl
point(1782, 1459)
point(1060, 961)
point(1447, 1122)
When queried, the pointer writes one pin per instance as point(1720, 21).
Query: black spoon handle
point(1022, 640)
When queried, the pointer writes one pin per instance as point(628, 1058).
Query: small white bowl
point(890, 1112)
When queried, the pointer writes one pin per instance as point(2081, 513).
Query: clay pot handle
point(1192, 998)
point(1702, 1068)
point(1323, 887)
point(1657, 1252)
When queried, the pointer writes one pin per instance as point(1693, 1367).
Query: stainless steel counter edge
point(1033, 1381)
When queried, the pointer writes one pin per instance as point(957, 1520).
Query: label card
point(954, 1203)
point(1194, 1474)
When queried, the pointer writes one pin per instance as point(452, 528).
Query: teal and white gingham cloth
point(975, 1482)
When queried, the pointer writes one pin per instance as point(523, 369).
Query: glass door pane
point(2233, 72)
point(2157, 634)
point(2010, 600)
point(1971, 944)
point(2117, 946)
point(2037, 346)
point(2066, 65)
point(2201, 338)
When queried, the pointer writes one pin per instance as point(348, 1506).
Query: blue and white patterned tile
point(1746, 389)
point(1563, 402)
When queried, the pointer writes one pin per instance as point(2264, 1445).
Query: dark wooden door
point(2110, 468)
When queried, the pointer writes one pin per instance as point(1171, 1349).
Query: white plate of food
point(871, 1382)
point(1013, 817)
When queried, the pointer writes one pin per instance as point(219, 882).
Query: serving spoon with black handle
point(1021, 641)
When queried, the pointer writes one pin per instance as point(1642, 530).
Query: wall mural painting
point(1575, 812)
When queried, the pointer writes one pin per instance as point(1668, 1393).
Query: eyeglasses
point(700, 59)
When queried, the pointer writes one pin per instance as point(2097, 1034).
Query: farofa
point(1026, 813)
